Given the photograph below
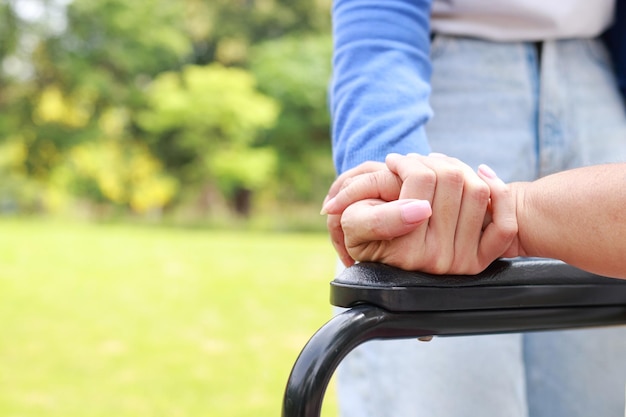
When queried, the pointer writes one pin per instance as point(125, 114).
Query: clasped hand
point(428, 213)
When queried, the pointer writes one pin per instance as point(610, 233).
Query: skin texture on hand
point(422, 213)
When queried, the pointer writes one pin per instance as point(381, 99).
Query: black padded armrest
point(518, 295)
point(518, 283)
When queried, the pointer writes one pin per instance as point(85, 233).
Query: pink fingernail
point(415, 211)
point(488, 172)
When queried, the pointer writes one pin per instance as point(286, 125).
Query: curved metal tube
point(320, 357)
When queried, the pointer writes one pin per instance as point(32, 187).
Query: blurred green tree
point(224, 30)
point(70, 67)
point(295, 70)
point(204, 121)
point(86, 77)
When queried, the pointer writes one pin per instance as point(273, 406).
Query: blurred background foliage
point(163, 109)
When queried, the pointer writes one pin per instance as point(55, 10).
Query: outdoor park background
point(162, 166)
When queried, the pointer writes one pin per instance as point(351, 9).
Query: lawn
point(147, 321)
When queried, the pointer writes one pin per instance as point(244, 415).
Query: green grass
point(146, 321)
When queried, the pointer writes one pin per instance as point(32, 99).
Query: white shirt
point(522, 20)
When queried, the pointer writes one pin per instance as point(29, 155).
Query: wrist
point(519, 246)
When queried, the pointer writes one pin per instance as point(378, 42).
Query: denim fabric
point(525, 116)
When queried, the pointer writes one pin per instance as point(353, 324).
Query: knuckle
point(478, 191)
point(373, 181)
point(351, 193)
point(354, 188)
point(387, 183)
point(481, 189)
point(454, 176)
point(428, 177)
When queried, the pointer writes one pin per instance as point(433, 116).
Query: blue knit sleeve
point(380, 87)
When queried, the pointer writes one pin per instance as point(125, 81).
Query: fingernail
point(415, 211)
point(486, 171)
point(328, 206)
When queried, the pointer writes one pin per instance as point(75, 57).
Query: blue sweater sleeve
point(381, 73)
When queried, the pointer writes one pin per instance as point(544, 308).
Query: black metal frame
point(386, 303)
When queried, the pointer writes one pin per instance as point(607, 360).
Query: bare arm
point(578, 216)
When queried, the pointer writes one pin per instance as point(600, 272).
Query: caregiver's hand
point(403, 233)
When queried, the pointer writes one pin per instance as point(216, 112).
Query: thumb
point(502, 231)
point(373, 220)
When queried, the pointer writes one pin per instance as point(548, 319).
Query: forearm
point(578, 216)
point(380, 85)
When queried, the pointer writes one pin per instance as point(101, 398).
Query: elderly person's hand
point(423, 213)
point(370, 170)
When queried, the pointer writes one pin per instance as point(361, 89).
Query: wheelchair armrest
point(517, 283)
point(388, 303)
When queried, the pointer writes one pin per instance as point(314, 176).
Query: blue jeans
point(525, 117)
